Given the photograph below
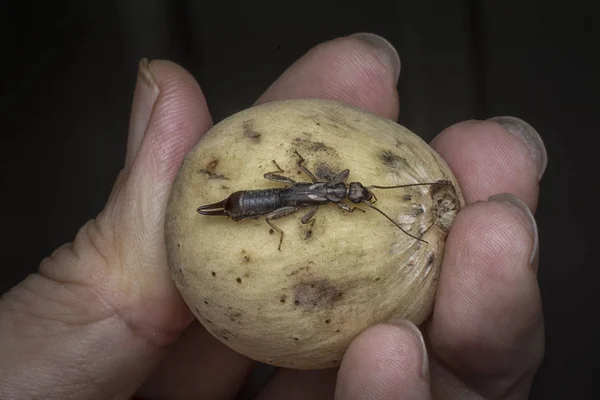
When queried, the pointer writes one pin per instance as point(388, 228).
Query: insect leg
point(279, 178)
point(275, 177)
point(312, 177)
point(279, 213)
point(342, 176)
point(308, 217)
point(277, 165)
point(346, 207)
point(373, 198)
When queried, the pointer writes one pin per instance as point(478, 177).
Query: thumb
point(95, 319)
point(161, 133)
point(386, 361)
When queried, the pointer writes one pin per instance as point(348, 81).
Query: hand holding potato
point(103, 318)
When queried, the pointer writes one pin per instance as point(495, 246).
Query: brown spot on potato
point(271, 231)
point(311, 146)
point(213, 164)
point(282, 301)
point(430, 260)
point(407, 197)
point(302, 269)
point(319, 146)
point(325, 172)
point(340, 121)
point(417, 210)
point(308, 234)
point(246, 259)
point(211, 175)
point(327, 321)
point(213, 273)
point(393, 160)
point(317, 293)
point(238, 279)
point(234, 316)
point(249, 132)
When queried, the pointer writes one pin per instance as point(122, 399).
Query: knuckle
point(72, 287)
point(92, 251)
point(79, 276)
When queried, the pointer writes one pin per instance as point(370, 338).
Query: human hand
point(103, 320)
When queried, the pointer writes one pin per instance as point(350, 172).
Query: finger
point(486, 330)
point(385, 362)
point(97, 316)
point(136, 207)
point(145, 95)
point(505, 155)
point(360, 70)
point(291, 385)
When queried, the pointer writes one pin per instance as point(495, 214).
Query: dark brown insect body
point(278, 203)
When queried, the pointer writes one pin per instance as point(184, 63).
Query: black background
point(68, 71)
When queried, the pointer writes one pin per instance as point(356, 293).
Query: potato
point(301, 306)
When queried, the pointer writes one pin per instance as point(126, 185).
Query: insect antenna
point(399, 186)
point(393, 222)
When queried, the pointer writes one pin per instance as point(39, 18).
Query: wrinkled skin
point(102, 318)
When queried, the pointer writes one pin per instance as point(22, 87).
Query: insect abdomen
point(252, 203)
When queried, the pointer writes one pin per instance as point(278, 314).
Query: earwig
point(281, 202)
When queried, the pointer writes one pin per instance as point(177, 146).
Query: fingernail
point(384, 48)
point(518, 203)
point(145, 95)
point(398, 321)
point(530, 136)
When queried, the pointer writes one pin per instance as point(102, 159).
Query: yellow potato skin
point(301, 306)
